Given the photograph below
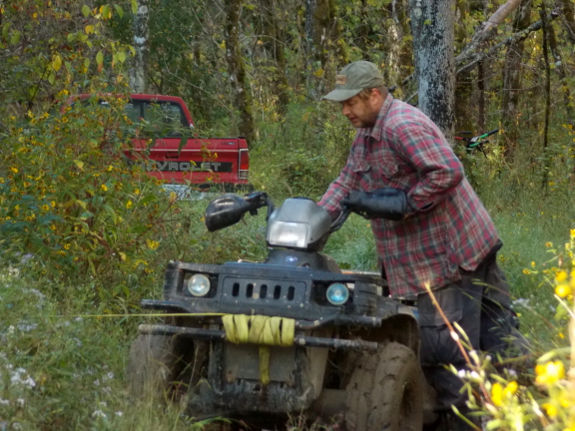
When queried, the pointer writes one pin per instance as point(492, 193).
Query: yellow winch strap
point(271, 331)
point(263, 330)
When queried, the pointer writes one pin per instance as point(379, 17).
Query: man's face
point(361, 113)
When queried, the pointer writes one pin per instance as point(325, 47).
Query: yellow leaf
point(89, 29)
point(122, 256)
point(56, 62)
point(80, 164)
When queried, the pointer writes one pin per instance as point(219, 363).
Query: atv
point(293, 335)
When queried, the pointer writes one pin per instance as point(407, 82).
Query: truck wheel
point(153, 366)
point(385, 391)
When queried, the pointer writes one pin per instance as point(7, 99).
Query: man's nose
point(345, 110)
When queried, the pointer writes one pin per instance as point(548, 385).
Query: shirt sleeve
point(339, 189)
point(438, 167)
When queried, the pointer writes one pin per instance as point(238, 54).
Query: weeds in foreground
point(545, 400)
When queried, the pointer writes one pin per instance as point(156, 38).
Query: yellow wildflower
point(550, 409)
point(549, 373)
point(563, 290)
point(561, 276)
point(548, 244)
point(152, 244)
point(14, 169)
point(532, 264)
point(526, 271)
point(510, 389)
point(104, 187)
point(497, 394)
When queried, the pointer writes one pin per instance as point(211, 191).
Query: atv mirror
point(225, 211)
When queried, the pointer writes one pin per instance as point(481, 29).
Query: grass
point(62, 362)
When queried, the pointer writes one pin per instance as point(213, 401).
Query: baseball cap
point(353, 78)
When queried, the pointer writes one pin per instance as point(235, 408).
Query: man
point(444, 238)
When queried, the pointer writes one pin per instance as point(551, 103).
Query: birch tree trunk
point(432, 29)
point(236, 69)
point(512, 81)
point(138, 72)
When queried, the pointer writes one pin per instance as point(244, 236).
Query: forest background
point(84, 237)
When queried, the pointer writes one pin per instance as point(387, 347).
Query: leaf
point(134, 7)
point(89, 29)
point(52, 78)
point(82, 204)
point(106, 12)
point(121, 56)
point(56, 63)
point(111, 212)
point(15, 37)
point(122, 256)
point(80, 164)
point(119, 10)
point(100, 58)
point(86, 10)
point(5, 29)
point(87, 63)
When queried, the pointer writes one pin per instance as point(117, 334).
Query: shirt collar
point(375, 131)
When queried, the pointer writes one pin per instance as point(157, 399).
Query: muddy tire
point(386, 391)
point(153, 366)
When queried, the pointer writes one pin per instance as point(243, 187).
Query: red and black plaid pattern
point(448, 227)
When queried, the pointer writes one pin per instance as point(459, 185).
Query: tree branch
point(522, 35)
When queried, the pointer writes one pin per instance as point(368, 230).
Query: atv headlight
point(337, 294)
point(199, 285)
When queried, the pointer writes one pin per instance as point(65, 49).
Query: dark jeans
point(480, 305)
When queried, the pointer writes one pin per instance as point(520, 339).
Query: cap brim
point(341, 95)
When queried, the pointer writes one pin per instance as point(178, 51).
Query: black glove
point(388, 203)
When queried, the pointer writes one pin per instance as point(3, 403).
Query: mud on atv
point(292, 335)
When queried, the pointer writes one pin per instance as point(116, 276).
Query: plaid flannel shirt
point(447, 227)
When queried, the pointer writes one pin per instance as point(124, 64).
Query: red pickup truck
point(203, 163)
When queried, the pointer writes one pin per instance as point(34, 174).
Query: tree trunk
point(568, 18)
point(236, 69)
point(310, 6)
point(560, 69)
point(274, 44)
point(546, 155)
point(327, 48)
point(432, 29)
point(139, 70)
point(512, 81)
